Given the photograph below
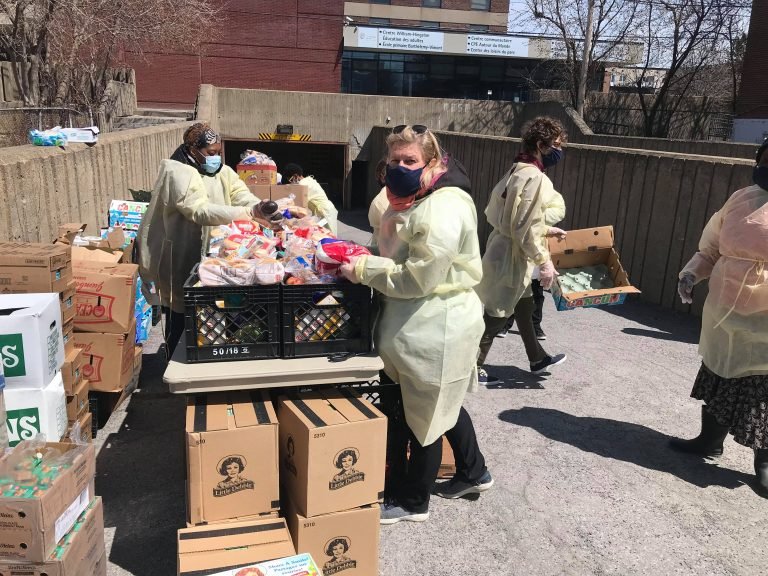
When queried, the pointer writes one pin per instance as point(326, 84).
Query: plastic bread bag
point(269, 272)
point(221, 272)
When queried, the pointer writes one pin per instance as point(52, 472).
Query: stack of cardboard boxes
point(105, 324)
point(50, 520)
point(332, 462)
point(232, 485)
point(326, 449)
point(36, 319)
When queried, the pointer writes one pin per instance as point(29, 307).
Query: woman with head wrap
point(193, 192)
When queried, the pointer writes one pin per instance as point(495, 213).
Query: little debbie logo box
point(31, 343)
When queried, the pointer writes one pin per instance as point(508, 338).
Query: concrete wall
point(345, 118)
point(41, 188)
point(657, 202)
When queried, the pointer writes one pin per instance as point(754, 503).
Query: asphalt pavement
point(584, 481)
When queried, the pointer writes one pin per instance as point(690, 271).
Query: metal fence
point(15, 123)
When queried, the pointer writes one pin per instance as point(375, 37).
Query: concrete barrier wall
point(41, 188)
point(658, 203)
point(345, 118)
point(697, 147)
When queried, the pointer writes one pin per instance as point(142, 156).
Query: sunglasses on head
point(417, 128)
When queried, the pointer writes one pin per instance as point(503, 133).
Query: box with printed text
point(34, 268)
point(108, 359)
point(106, 296)
point(332, 451)
point(31, 340)
point(33, 411)
point(232, 467)
point(34, 519)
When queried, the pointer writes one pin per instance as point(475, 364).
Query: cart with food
point(278, 364)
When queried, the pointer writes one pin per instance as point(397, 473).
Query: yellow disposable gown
point(554, 207)
point(517, 243)
point(431, 320)
point(733, 254)
point(175, 231)
point(376, 211)
point(319, 204)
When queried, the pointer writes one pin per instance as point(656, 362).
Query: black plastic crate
point(224, 323)
point(326, 319)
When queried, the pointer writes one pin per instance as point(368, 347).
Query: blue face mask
point(760, 176)
point(552, 158)
point(403, 182)
point(212, 164)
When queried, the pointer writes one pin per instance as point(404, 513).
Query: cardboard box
point(72, 370)
point(257, 173)
point(31, 527)
point(34, 268)
point(342, 542)
point(127, 214)
point(232, 456)
point(68, 336)
point(78, 403)
point(301, 193)
point(111, 245)
point(261, 191)
point(33, 411)
point(589, 247)
point(217, 548)
point(31, 341)
point(106, 296)
point(108, 359)
point(332, 451)
point(300, 565)
point(67, 302)
point(81, 553)
point(80, 432)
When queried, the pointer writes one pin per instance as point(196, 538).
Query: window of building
point(431, 25)
point(484, 5)
point(478, 27)
point(379, 21)
point(432, 3)
point(380, 2)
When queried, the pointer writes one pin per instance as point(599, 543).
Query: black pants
point(538, 312)
point(524, 318)
point(424, 464)
point(174, 329)
point(538, 300)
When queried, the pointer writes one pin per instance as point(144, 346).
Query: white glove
point(547, 275)
point(685, 288)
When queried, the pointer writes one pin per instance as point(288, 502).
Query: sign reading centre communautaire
point(393, 39)
point(497, 45)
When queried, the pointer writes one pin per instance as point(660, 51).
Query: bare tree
point(62, 50)
point(682, 36)
point(590, 31)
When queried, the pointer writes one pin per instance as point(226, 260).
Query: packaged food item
point(332, 253)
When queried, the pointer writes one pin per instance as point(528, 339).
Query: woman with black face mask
point(733, 379)
point(517, 244)
point(431, 320)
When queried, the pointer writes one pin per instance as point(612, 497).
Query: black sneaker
point(456, 488)
point(502, 334)
point(392, 513)
point(547, 363)
point(540, 333)
point(484, 378)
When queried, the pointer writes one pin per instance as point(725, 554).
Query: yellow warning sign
point(285, 137)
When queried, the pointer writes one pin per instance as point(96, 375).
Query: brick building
point(269, 44)
point(751, 122)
